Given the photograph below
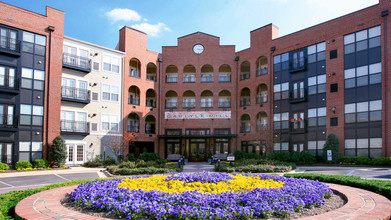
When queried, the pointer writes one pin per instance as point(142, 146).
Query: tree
point(332, 144)
point(117, 143)
point(58, 151)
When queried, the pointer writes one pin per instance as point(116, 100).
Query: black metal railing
point(149, 129)
point(189, 104)
point(189, 78)
point(207, 78)
point(245, 101)
point(171, 104)
point(8, 121)
point(9, 82)
point(244, 75)
point(75, 126)
point(9, 44)
point(245, 129)
point(71, 60)
point(261, 98)
point(150, 103)
point(134, 73)
point(224, 104)
point(224, 78)
point(151, 77)
point(133, 128)
point(297, 95)
point(134, 100)
point(75, 93)
point(261, 126)
point(206, 104)
point(262, 71)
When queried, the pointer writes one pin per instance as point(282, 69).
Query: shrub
point(332, 144)
point(303, 157)
point(239, 155)
point(23, 164)
point(41, 163)
point(120, 158)
point(127, 164)
point(255, 166)
point(109, 160)
point(381, 161)
point(362, 160)
point(346, 160)
point(58, 151)
point(4, 166)
point(149, 157)
point(97, 162)
point(382, 187)
point(142, 170)
point(131, 157)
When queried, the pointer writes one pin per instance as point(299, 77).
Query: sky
point(99, 21)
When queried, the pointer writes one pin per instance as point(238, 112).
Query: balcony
point(224, 104)
point(189, 79)
point(261, 127)
point(9, 46)
point(134, 100)
point(72, 94)
point(225, 78)
point(206, 104)
point(8, 122)
point(171, 104)
point(151, 77)
point(298, 65)
point(245, 129)
point(245, 101)
point(71, 127)
point(71, 61)
point(172, 79)
point(244, 75)
point(261, 99)
point(189, 104)
point(298, 126)
point(133, 128)
point(150, 128)
point(262, 71)
point(134, 73)
point(206, 78)
point(298, 95)
point(151, 103)
point(9, 84)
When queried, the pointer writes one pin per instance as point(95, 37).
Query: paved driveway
point(364, 172)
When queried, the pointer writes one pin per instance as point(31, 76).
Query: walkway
point(361, 204)
point(191, 167)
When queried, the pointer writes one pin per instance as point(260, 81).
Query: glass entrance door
point(75, 154)
point(197, 150)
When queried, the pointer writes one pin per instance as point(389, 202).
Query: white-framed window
point(72, 121)
point(30, 151)
point(111, 63)
point(33, 79)
point(31, 115)
point(110, 92)
point(362, 40)
point(317, 117)
point(363, 75)
point(363, 111)
point(109, 122)
point(281, 120)
point(281, 91)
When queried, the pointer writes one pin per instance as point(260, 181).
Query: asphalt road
point(383, 173)
point(8, 184)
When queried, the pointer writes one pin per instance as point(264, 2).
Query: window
point(281, 120)
point(94, 126)
point(33, 79)
point(281, 91)
point(317, 84)
point(30, 151)
point(189, 77)
point(362, 40)
point(172, 77)
point(316, 147)
point(298, 91)
point(334, 87)
point(222, 131)
point(6, 153)
point(281, 62)
point(109, 122)
point(222, 146)
point(34, 43)
point(333, 121)
point(206, 102)
point(333, 54)
point(207, 77)
point(253, 147)
point(110, 63)
point(8, 39)
point(171, 102)
point(297, 62)
point(317, 117)
point(224, 77)
point(95, 96)
point(363, 75)
point(173, 132)
point(173, 146)
point(74, 89)
point(189, 102)
point(282, 146)
point(196, 132)
point(31, 115)
point(110, 92)
point(297, 121)
point(74, 121)
point(96, 66)
point(363, 111)
point(224, 102)
point(7, 78)
point(7, 116)
point(370, 147)
point(316, 52)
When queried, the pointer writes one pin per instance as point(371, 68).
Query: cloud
point(123, 14)
point(151, 29)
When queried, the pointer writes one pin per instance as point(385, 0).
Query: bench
point(175, 157)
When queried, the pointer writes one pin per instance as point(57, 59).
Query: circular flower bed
point(201, 196)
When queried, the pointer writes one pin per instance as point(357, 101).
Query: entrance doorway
point(75, 154)
point(197, 150)
point(299, 147)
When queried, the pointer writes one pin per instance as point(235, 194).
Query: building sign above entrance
point(198, 115)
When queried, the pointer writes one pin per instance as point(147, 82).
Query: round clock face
point(198, 49)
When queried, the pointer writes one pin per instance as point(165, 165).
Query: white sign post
point(329, 155)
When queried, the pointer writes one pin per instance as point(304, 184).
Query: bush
point(58, 151)
point(41, 163)
point(120, 158)
point(303, 157)
point(127, 164)
point(97, 162)
point(22, 164)
point(381, 161)
point(131, 157)
point(255, 166)
point(109, 160)
point(143, 170)
point(346, 160)
point(239, 155)
point(4, 166)
point(362, 160)
point(382, 187)
point(149, 157)
point(332, 144)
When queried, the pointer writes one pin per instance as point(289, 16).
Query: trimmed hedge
point(141, 170)
point(364, 160)
point(9, 200)
point(382, 187)
point(255, 166)
point(293, 157)
point(4, 166)
point(22, 164)
point(149, 157)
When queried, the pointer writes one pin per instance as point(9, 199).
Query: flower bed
point(201, 196)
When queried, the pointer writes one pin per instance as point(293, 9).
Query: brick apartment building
point(200, 98)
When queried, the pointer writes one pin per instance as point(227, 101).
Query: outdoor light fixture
point(333, 109)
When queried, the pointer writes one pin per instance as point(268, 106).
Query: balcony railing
point(8, 121)
point(171, 104)
point(134, 73)
point(9, 82)
point(298, 95)
point(189, 79)
point(245, 129)
point(75, 94)
point(150, 103)
point(11, 45)
point(244, 75)
point(206, 78)
point(206, 104)
point(298, 126)
point(171, 79)
point(261, 126)
point(245, 101)
point(151, 77)
point(133, 128)
point(224, 78)
point(149, 129)
point(262, 71)
point(189, 104)
point(75, 127)
point(134, 100)
point(261, 98)
point(76, 62)
point(297, 65)
point(224, 104)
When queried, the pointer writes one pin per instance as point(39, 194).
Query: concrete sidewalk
point(46, 172)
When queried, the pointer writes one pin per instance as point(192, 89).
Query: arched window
point(262, 93)
point(262, 121)
point(171, 99)
point(150, 124)
point(245, 97)
point(225, 99)
point(134, 68)
point(189, 73)
point(207, 73)
point(245, 124)
point(150, 98)
point(224, 73)
point(245, 70)
point(261, 66)
point(206, 99)
point(151, 72)
point(134, 95)
point(133, 123)
point(171, 74)
point(189, 99)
